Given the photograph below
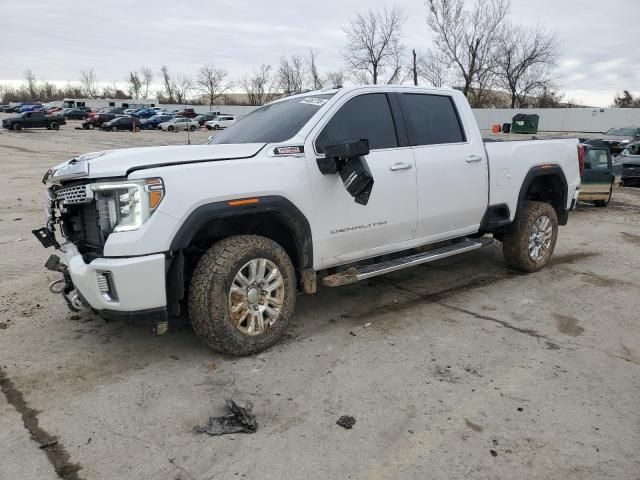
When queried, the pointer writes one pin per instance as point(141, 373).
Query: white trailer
point(110, 102)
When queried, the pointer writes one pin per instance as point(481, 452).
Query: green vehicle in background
point(598, 177)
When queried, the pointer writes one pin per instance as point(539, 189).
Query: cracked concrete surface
point(439, 364)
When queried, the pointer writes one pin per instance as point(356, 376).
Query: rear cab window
point(366, 116)
point(431, 119)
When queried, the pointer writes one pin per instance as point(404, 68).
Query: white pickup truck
point(340, 184)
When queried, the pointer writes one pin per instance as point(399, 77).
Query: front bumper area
point(138, 281)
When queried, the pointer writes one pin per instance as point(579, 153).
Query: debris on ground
point(493, 453)
point(240, 420)
point(346, 421)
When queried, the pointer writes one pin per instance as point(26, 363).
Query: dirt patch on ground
point(601, 281)
point(631, 238)
point(56, 453)
point(571, 258)
point(568, 325)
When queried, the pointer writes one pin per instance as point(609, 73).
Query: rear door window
point(431, 119)
point(366, 116)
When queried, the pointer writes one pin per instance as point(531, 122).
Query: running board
point(355, 274)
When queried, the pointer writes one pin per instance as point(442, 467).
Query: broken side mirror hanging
point(348, 159)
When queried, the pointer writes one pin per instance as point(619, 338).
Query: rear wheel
point(242, 295)
point(209, 127)
point(17, 127)
point(55, 126)
point(529, 243)
point(192, 128)
point(216, 127)
point(92, 126)
point(114, 129)
point(170, 128)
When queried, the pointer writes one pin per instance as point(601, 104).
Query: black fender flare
point(547, 171)
point(290, 215)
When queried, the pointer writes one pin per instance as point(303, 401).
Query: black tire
point(192, 128)
point(216, 127)
point(170, 128)
point(17, 127)
point(209, 127)
point(515, 243)
point(55, 126)
point(114, 129)
point(92, 126)
point(209, 294)
point(604, 203)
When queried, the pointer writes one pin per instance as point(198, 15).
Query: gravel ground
point(457, 369)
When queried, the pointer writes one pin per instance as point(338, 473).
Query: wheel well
point(267, 224)
point(551, 189)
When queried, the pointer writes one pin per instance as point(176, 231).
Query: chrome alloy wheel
point(540, 237)
point(256, 296)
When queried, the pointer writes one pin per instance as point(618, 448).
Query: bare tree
point(258, 86)
point(146, 76)
point(135, 84)
point(167, 83)
point(468, 39)
point(434, 69)
point(291, 74)
point(212, 82)
point(626, 100)
point(89, 83)
point(182, 85)
point(335, 78)
point(30, 77)
point(525, 58)
point(316, 81)
point(373, 44)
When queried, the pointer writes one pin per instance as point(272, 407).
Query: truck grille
point(74, 195)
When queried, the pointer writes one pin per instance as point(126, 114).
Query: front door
point(451, 167)
point(347, 230)
point(597, 178)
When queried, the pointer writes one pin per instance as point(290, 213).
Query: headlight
point(125, 206)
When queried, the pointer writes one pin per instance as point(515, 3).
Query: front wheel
point(170, 128)
point(216, 127)
point(529, 243)
point(55, 126)
point(192, 128)
point(17, 127)
point(114, 129)
point(242, 295)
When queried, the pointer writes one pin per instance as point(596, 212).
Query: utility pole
point(415, 69)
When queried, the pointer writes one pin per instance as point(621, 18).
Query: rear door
point(347, 230)
point(451, 165)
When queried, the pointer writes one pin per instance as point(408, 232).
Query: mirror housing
point(336, 156)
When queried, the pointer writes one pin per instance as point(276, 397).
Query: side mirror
point(348, 159)
point(337, 155)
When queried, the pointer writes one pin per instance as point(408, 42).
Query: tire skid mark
point(50, 444)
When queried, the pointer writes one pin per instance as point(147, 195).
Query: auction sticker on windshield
point(314, 101)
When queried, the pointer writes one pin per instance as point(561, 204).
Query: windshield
point(275, 122)
point(620, 132)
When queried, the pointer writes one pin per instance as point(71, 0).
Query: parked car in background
point(153, 122)
point(187, 112)
point(220, 122)
point(74, 114)
point(205, 117)
point(630, 157)
point(144, 113)
point(4, 108)
point(617, 139)
point(36, 119)
point(52, 110)
point(129, 111)
point(597, 178)
point(179, 123)
point(122, 123)
point(97, 120)
point(32, 107)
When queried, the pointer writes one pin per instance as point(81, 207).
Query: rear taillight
point(582, 152)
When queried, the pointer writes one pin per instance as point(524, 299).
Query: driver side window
point(366, 116)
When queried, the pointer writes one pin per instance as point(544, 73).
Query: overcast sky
point(599, 39)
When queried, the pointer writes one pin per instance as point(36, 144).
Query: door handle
point(400, 166)
point(474, 158)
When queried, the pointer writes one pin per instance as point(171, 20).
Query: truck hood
point(118, 163)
